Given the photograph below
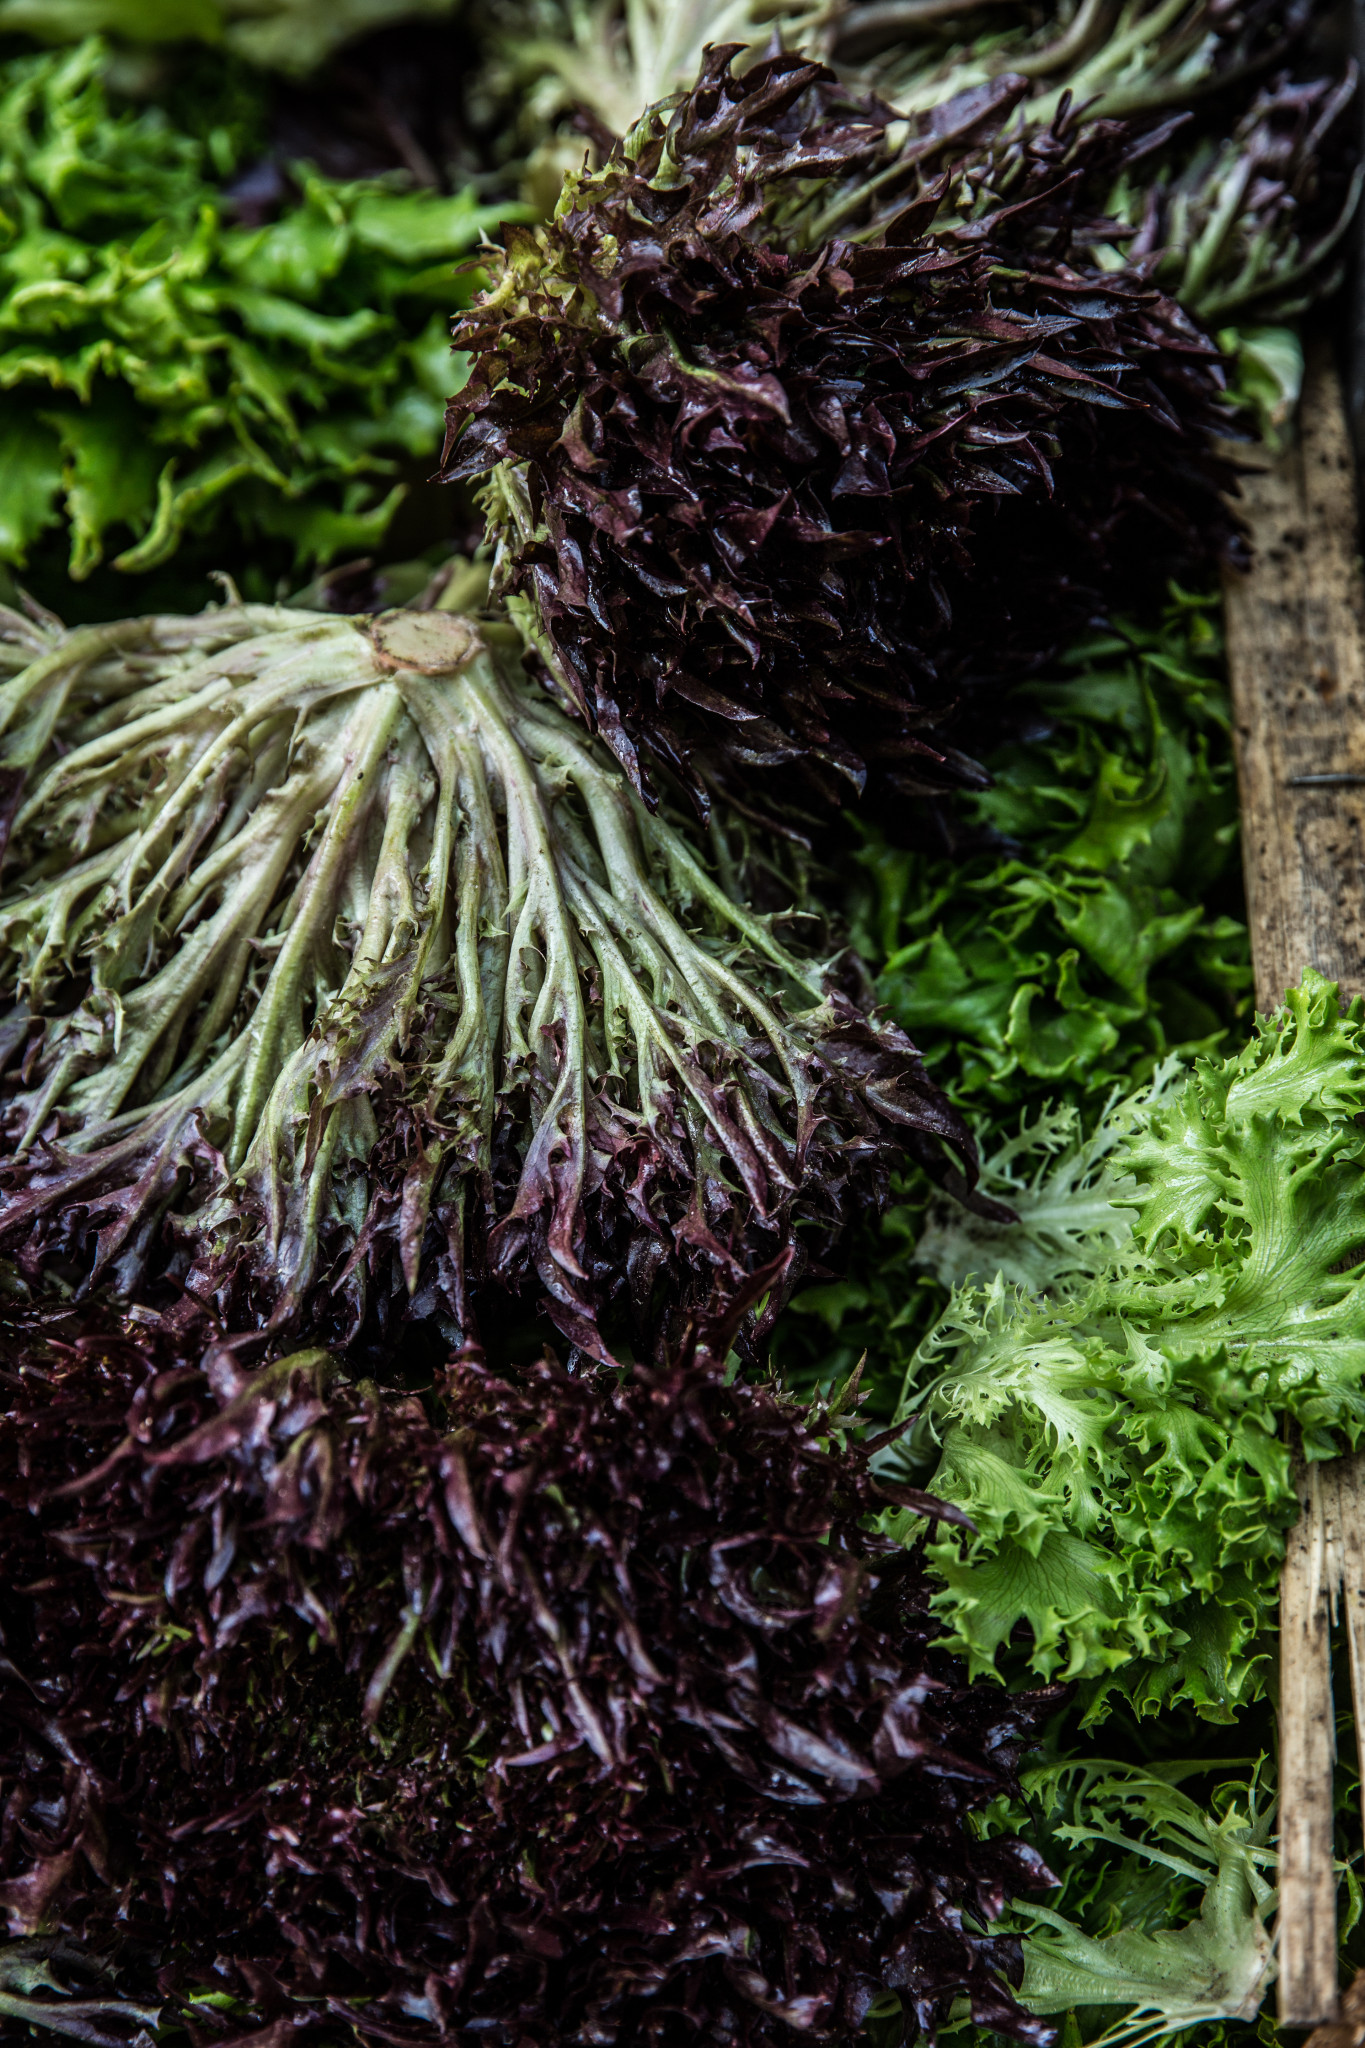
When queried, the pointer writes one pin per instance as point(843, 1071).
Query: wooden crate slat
point(1296, 656)
point(1296, 653)
point(1351, 1485)
point(1308, 1891)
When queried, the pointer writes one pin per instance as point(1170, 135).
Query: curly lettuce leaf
point(164, 369)
point(1116, 1429)
point(1072, 1207)
point(1084, 933)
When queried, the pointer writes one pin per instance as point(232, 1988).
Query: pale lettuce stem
point(278, 1016)
point(769, 1140)
point(244, 710)
point(204, 1096)
point(211, 958)
point(49, 1095)
point(122, 742)
point(235, 737)
point(649, 1030)
point(533, 891)
point(315, 766)
point(633, 909)
point(556, 1156)
point(672, 970)
point(614, 808)
point(1216, 230)
point(391, 918)
point(1140, 29)
point(481, 941)
point(105, 686)
point(407, 792)
point(269, 766)
point(53, 906)
point(124, 948)
point(295, 1254)
point(1217, 305)
point(232, 970)
point(200, 826)
point(49, 681)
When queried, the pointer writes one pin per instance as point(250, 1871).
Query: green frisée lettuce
point(1116, 1427)
point(338, 951)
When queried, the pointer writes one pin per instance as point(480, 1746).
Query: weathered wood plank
point(1308, 1892)
point(1296, 652)
point(1351, 1521)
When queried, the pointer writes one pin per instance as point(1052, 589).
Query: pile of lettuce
point(1245, 223)
point(1242, 218)
point(165, 366)
point(701, 1687)
point(1106, 1387)
point(1113, 1395)
point(550, 1706)
point(872, 428)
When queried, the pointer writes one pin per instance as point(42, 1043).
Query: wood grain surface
point(1296, 655)
point(1350, 1478)
point(1296, 651)
point(1308, 1886)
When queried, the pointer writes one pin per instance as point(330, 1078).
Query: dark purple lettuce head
point(800, 420)
point(560, 1708)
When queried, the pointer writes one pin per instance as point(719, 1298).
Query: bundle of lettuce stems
point(655, 1278)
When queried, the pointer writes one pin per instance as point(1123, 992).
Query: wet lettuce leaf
point(1161, 1919)
point(1244, 199)
point(1081, 935)
point(772, 487)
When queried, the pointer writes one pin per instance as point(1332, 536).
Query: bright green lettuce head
point(1111, 1401)
point(167, 373)
point(1083, 930)
point(1078, 934)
